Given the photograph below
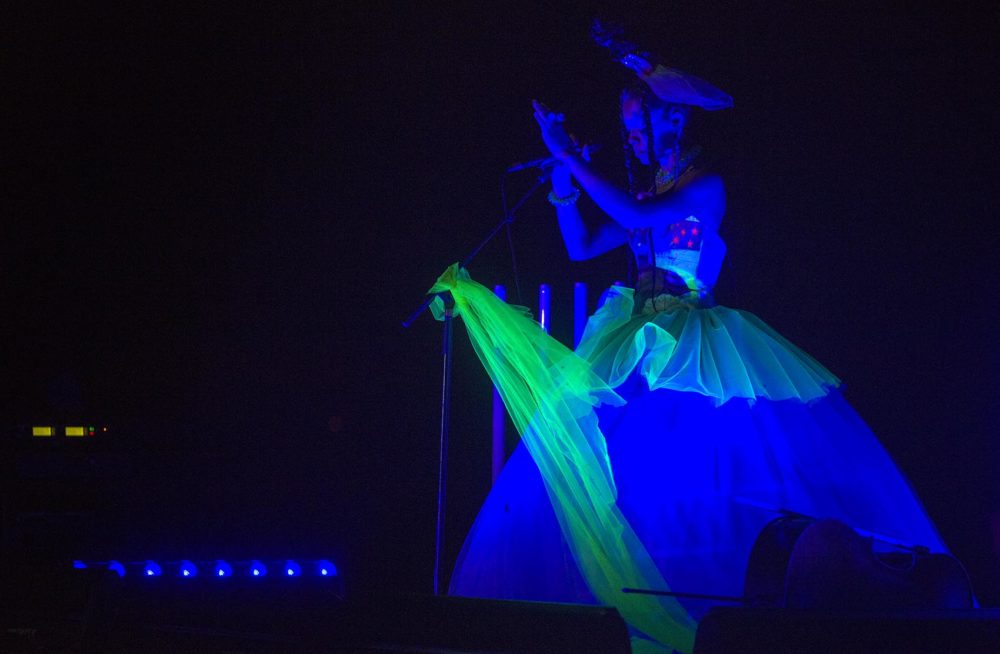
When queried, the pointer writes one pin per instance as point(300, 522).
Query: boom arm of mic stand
point(508, 219)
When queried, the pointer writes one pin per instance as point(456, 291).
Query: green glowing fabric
point(550, 394)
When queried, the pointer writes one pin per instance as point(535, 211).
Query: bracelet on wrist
point(557, 201)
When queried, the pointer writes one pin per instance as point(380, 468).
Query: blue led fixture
point(187, 569)
point(325, 569)
point(219, 568)
point(257, 569)
point(222, 569)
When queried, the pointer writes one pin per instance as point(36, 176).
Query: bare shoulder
point(703, 194)
point(701, 181)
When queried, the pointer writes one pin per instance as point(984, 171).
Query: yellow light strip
point(41, 432)
point(76, 431)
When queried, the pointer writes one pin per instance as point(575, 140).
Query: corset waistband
point(654, 282)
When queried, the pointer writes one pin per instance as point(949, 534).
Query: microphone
point(534, 163)
point(545, 162)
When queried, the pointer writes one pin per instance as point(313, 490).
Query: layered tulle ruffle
point(676, 344)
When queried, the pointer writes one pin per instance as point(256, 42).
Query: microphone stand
point(446, 350)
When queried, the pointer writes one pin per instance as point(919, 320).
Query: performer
point(655, 454)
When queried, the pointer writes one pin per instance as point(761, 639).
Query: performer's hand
point(642, 66)
point(554, 134)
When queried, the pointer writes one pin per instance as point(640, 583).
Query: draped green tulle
point(550, 393)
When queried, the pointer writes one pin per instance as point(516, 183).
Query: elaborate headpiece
point(670, 85)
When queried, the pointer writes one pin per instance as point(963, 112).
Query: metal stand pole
point(446, 349)
point(446, 380)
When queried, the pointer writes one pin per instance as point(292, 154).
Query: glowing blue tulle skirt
point(697, 482)
point(654, 455)
point(698, 475)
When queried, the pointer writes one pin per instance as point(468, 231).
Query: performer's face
point(664, 129)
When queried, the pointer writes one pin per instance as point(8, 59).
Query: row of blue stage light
point(219, 569)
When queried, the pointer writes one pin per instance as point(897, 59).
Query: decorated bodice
point(683, 250)
point(683, 254)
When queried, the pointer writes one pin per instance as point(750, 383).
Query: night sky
point(216, 220)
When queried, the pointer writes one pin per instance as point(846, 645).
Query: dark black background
point(217, 219)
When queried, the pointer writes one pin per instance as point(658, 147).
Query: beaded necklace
point(665, 178)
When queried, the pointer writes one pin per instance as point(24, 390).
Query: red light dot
point(690, 243)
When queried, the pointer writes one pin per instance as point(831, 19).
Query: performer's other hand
point(554, 134)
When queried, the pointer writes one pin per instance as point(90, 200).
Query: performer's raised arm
point(586, 236)
point(701, 195)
